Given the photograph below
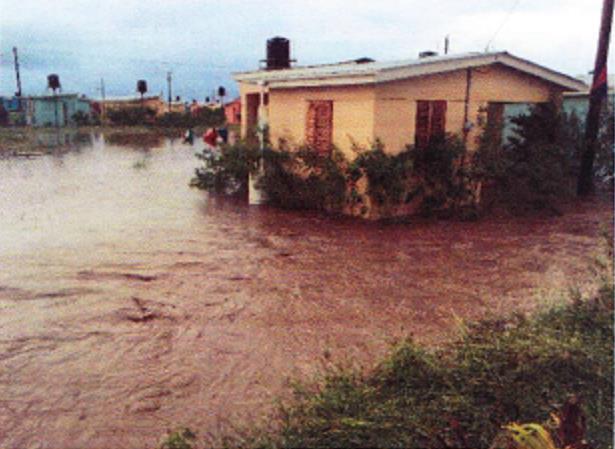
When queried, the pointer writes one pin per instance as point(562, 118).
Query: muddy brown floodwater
point(131, 304)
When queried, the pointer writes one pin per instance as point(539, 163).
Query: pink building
point(232, 111)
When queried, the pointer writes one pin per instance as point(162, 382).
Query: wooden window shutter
point(430, 121)
point(421, 135)
point(438, 118)
point(319, 126)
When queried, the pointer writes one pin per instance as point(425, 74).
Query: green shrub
point(227, 170)
point(180, 439)
point(303, 179)
point(204, 117)
point(460, 396)
point(81, 118)
point(539, 164)
point(131, 116)
point(387, 175)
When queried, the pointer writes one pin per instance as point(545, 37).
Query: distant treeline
point(147, 116)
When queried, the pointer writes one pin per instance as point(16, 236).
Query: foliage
point(204, 117)
point(226, 170)
point(539, 164)
point(303, 179)
point(442, 178)
point(529, 436)
point(180, 439)
point(131, 116)
point(387, 175)
point(459, 396)
point(81, 118)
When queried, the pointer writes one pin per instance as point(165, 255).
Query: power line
point(510, 12)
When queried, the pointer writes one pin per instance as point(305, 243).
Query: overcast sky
point(203, 41)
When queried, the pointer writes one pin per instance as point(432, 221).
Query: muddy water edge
point(131, 304)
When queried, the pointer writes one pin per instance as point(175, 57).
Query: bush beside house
point(535, 169)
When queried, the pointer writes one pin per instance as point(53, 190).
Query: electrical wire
point(508, 15)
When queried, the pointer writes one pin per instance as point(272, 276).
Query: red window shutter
point(319, 126)
point(430, 121)
point(421, 134)
point(438, 118)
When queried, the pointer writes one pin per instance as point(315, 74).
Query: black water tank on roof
point(278, 53)
point(142, 86)
point(427, 54)
point(53, 81)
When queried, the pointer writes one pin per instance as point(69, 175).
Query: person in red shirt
point(211, 138)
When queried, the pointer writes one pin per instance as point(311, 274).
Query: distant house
point(398, 103)
point(578, 102)
point(12, 110)
point(152, 102)
point(232, 112)
point(55, 110)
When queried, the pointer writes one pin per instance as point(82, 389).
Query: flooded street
point(131, 304)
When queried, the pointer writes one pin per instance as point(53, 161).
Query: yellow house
point(398, 103)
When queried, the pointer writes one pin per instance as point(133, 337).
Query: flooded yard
point(131, 304)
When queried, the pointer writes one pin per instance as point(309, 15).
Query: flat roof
point(359, 72)
point(51, 97)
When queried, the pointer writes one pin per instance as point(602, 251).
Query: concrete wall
point(353, 114)
point(232, 112)
point(246, 89)
point(395, 111)
point(395, 108)
point(42, 111)
point(387, 111)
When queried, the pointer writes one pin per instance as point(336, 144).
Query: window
point(319, 126)
point(430, 121)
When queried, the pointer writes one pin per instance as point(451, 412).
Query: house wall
point(246, 89)
point(353, 114)
point(395, 104)
point(387, 111)
point(232, 112)
point(42, 111)
point(579, 104)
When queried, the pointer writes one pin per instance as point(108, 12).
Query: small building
point(397, 103)
point(232, 112)
point(56, 110)
point(151, 102)
point(577, 103)
point(12, 110)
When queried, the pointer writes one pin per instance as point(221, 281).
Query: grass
point(500, 371)
point(459, 396)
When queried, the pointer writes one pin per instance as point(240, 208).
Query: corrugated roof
point(353, 72)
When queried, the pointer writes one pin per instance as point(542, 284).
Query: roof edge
point(370, 74)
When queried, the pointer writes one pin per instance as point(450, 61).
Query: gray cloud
point(203, 41)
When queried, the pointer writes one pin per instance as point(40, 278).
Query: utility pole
point(596, 95)
point(18, 93)
point(170, 98)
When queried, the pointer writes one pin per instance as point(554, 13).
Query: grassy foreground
point(500, 371)
point(460, 396)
